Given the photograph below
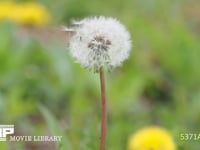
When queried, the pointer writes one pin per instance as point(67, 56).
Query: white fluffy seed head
point(100, 42)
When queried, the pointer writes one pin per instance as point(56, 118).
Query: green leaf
point(54, 128)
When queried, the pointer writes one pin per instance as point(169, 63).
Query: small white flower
point(100, 42)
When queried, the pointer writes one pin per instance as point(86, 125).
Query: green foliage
point(55, 129)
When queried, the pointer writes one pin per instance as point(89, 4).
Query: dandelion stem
point(103, 111)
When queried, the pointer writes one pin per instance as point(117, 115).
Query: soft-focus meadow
point(44, 92)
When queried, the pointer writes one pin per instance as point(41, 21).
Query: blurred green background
point(43, 91)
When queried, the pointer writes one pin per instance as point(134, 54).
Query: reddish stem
point(103, 111)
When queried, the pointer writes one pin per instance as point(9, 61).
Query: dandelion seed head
point(100, 42)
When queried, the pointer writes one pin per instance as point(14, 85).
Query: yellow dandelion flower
point(6, 10)
point(151, 138)
point(31, 13)
point(27, 13)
